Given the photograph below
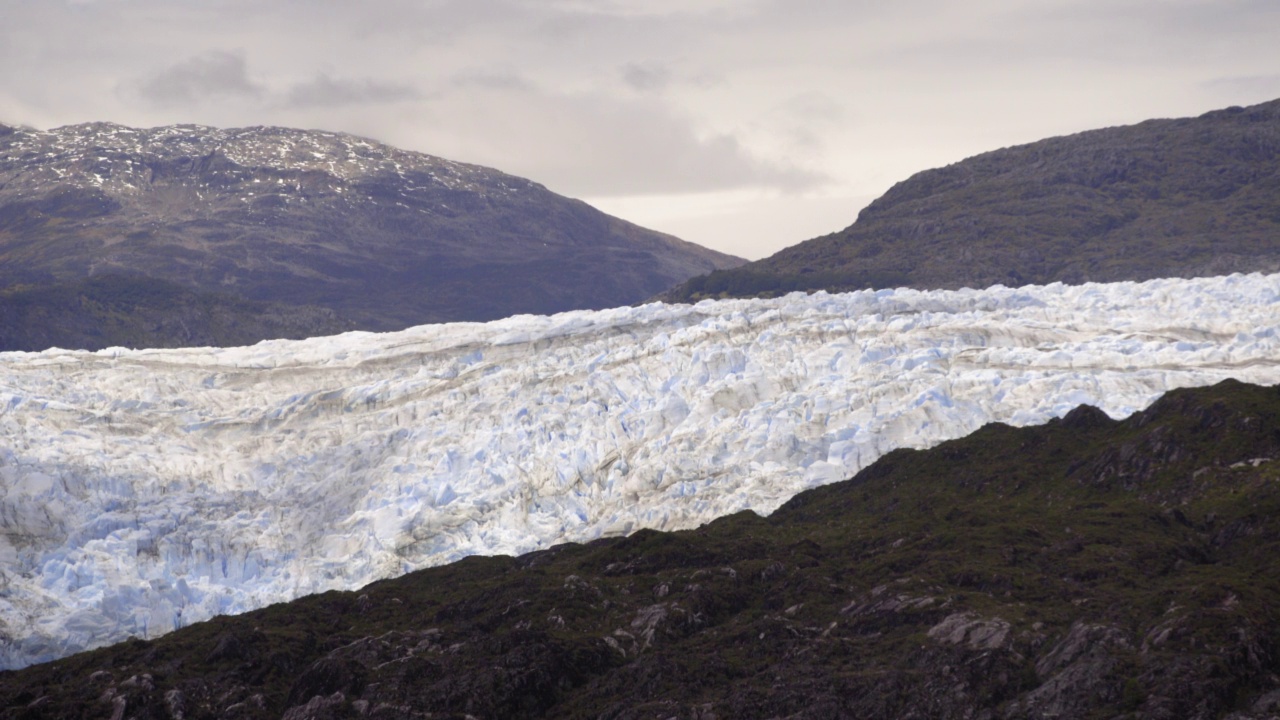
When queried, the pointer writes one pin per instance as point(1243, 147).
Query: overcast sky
point(743, 125)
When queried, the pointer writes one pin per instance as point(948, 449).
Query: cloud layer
point(791, 103)
point(211, 75)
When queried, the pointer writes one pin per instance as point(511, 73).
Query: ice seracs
point(144, 490)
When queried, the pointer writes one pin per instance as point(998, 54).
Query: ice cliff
point(144, 490)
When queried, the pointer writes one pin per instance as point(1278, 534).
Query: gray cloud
point(491, 80)
point(672, 98)
point(1132, 31)
point(815, 106)
point(215, 73)
point(600, 145)
point(328, 91)
point(647, 77)
point(804, 119)
point(1246, 88)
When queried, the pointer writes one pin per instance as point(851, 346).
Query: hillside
point(141, 312)
point(1084, 568)
point(332, 224)
point(1192, 197)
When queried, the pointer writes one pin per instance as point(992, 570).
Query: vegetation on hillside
point(1191, 197)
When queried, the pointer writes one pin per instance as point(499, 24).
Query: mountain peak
point(1188, 197)
point(79, 153)
point(384, 238)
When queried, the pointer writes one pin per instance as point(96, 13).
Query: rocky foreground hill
point(1192, 197)
point(1080, 569)
point(212, 236)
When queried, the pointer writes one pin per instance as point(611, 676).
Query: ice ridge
point(144, 490)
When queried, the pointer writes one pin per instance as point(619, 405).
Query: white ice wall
point(144, 490)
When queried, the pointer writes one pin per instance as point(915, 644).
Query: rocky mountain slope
point(1080, 569)
point(142, 312)
point(1191, 197)
point(330, 224)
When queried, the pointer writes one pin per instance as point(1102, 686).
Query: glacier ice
point(145, 490)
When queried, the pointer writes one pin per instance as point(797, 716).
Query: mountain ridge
point(382, 237)
point(1187, 197)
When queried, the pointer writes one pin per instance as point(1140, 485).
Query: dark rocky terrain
point(134, 311)
point(290, 231)
point(1086, 568)
point(1191, 197)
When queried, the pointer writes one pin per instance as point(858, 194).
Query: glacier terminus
point(143, 490)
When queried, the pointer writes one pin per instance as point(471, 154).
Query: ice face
point(144, 490)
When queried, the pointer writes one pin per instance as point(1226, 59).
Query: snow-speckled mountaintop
point(386, 238)
point(113, 157)
point(143, 490)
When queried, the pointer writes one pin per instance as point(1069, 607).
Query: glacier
point(144, 490)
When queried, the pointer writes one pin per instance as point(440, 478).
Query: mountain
point(334, 225)
point(142, 312)
point(1192, 197)
point(142, 491)
point(1083, 568)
